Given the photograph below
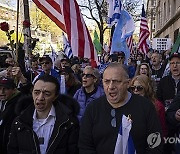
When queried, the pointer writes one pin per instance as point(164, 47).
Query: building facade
point(167, 19)
point(151, 17)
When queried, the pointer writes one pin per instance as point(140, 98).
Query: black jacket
point(7, 116)
point(64, 137)
point(170, 114)
point(166, 89)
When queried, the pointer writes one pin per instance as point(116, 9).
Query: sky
point(13, 3)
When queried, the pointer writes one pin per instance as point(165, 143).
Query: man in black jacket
point(48, 126)
point(173, 117)
point(169, 85)
point(103, 119)
point(9, 96)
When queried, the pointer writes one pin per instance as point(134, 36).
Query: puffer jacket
point(80, 97)
point(64, 137)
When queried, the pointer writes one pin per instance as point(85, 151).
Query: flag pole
point(17, 23)
point(27, 33)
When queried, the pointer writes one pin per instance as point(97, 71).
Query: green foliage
point(3, 38)
point(42, 22)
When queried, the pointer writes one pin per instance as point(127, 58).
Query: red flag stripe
point(54, 5)
point(81, 31)
point(59, 21)
point(69, 18)
point(130, 44)
point(144, 34)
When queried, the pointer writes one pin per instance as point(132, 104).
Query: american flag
point(144, 33)
point(66, 14)
point(130, 44)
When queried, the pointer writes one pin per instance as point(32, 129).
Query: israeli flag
point(53, 55)
point(124, 143)
point(124, 29)
point(114, 12)
point(67, 47)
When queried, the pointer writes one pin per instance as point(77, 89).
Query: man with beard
point(102, 120)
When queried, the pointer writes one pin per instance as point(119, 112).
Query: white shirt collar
point(51, 113)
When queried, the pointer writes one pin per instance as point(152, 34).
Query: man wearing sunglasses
point(102, 120)
point(90, 89)
point(46, 64)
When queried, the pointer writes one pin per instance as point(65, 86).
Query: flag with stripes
point(67, 48)
point(129, 41)
point(124, 143)
point(144, 33)
point(114, 12)
point(66, 14)
point(53, 55)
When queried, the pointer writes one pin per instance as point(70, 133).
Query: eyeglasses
point(138, 88)
point(45, 63)
point(87, 75)
point(173, 63)
point(114, 82)
point(113, 121)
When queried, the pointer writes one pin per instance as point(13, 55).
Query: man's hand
point(16, 71)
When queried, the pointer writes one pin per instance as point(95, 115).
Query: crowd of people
point(70, 107)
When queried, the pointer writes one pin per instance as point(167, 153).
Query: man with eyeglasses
point(167, 89)
point(90, 89)
point(170, 85)
point(102, 120)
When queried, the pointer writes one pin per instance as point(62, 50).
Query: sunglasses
point(45, 63)
point(87, 75)
point(138, 88)
point(113, 121)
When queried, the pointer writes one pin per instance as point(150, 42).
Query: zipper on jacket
point(56, 135)
point(35, 142)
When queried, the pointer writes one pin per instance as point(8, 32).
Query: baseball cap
point(45, 57)
point(175, 54)
point(7, 83)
